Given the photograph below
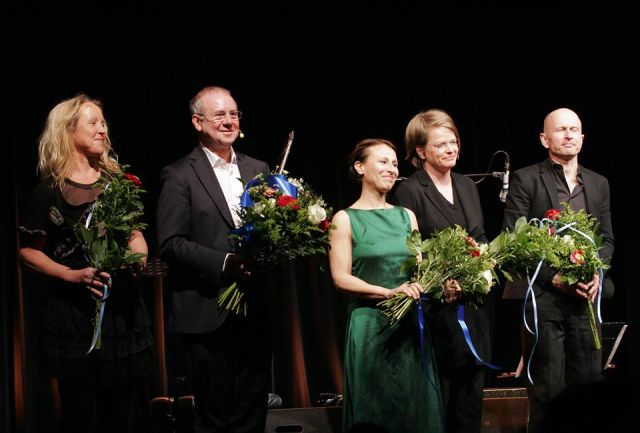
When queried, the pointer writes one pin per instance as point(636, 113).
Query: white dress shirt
point(228, 175)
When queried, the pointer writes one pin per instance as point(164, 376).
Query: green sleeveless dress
point(386, 388)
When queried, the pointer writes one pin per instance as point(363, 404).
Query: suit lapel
point(247, 170)
point(465, 201)
point(589, 194)
point(546, 174)
point(209, 181)
point(432, 194)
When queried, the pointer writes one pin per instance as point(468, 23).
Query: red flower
point(324, 225)
point(287, 200)
point(269, 192)
point(133, 179)
point(577, 257)
point(471, 241)
point(475, 252)
point(552, 214)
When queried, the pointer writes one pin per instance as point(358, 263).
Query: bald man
point(564, 354)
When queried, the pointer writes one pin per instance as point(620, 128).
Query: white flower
point(271, 202)
point(295, 182)
point(487, 275)
point(568, 240)
point(317, 214)
point(259, 208)
point(298, 183)
point(483, 248)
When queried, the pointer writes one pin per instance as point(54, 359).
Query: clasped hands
point(582, 290)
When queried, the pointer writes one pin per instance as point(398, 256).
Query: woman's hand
point(413, 290)
point(92, 279)
point(451, 291)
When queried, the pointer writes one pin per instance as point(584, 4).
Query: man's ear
point(543, 140)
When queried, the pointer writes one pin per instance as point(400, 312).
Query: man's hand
point(590, 289)
point(582, 290)
point(236, 268)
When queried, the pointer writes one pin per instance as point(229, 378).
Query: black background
point(335, 72)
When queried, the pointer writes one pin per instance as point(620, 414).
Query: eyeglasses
point(442, 144)
point(221, 116)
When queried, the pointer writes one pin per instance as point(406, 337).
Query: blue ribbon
point(534, 332)
point(97, 326)
point(276, 181)
point(467, 338)
point(423, 353)
point(100, 301)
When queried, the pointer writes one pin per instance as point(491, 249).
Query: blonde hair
point(417, 132)
point(56, 146)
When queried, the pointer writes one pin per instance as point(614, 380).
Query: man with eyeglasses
point(228, 356)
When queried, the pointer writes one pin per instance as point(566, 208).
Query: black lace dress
point(127, 351)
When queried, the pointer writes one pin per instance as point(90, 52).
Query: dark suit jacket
point(194, 221)
point(533, 192)
point(418, 193)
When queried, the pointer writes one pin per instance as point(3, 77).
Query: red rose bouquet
point(105, 234)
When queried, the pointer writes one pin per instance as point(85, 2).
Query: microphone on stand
point(505, 183)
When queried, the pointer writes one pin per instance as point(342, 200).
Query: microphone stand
point(498, 174)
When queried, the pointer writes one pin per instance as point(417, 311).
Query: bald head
point(561, 116)
point(562, 135)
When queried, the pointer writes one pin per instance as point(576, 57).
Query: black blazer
point(194, 221)
point(533, 192)
point(418, 193)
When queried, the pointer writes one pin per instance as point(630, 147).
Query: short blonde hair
point(417, 133)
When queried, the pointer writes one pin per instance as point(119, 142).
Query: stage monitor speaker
point(304, 420)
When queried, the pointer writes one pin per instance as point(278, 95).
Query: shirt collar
point(558, 169)
point(216, 161)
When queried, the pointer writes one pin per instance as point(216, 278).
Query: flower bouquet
point(566, 241)
point(283, 219)
point(577, 250)
point(448, 254)
point(104, 236)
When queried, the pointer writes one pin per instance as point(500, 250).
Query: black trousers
point(564, 354)
point(461, 379)
point(229, 370)
point(461, 389)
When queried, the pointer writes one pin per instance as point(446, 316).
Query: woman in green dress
point(390, 382)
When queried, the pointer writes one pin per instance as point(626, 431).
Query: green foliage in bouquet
point(284, 228)
point(566, 241)
point(277, 227)
point(115, 215)
point(448, 254)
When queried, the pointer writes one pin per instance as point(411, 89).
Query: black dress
point(127, 351)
